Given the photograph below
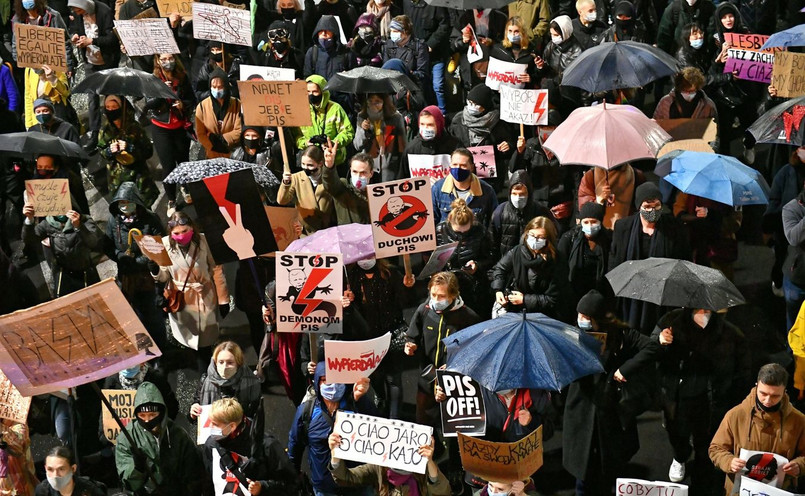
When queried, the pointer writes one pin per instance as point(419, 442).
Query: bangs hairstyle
point(184, 218)
point(231, 347)
point(524, 40)
point(550, 232)
point(445, 279)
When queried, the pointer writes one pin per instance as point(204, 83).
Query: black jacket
point(589, 36)
point(83, 487)
point(444, 144)
point(508, 222)
point(326, 63)
point(542, 281)
point(59, 128)
point(414, 55)
point(106, 40)
point(431, 25)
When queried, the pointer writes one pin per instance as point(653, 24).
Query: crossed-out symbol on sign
point(406, 221)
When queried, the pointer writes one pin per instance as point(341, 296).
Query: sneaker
point(677, 471)
point(776, 290)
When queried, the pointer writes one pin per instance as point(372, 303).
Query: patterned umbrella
point(189, 172)
point(353, 241)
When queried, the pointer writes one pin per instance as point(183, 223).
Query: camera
point(319, 140)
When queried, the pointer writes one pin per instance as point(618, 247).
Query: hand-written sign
point(183, 7)
point(684, 129)
point(49, 196)
point(275, 103)
point(751, 65)
point(309, 289)
point(502, 462)
point(500, 73)
point(146, 37)
point(152, 247)
point(218, 23)
point(528, 107)
point(379, 441)
point(788, 75)
point(402, 213)
point(751, 487)
point(433, 166)
point(350, 361)
point(257, 72)
point(484, 159)
point(748, 41)
point(73, 340)
point(40, 45)
point(122, 401)
point(638, 487)
point(464, 410)
point(13, 405)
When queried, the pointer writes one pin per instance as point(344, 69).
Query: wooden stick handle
point(286, 167)
point(522, 131)
point(314, 348)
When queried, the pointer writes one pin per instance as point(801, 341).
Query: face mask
point(184, 238)
point(326, 43)
point(439, 305)
point(127, 208)
point(332, 392)
point(395, 36)
point(650, 215)
point(624, 24)
point(514, 38)
point(591, 17)
point(591, 230)
point(44, 118)
point(251, 143)
point(59, 483)
point(28, 4)
point(314, 99)
point(518, 202)
point(153, 423)
point(702, 319)
point(288, 13)
point(801, 154)
point(279, 46)
point(473, 109)
point(697, 43)
point(225, 371)
point(761, 406)
point(535, 243)
point(61, 218)
point(585, 325)
point(691, 2)
point(688, 96)
point(217, 93)
point(490, 492)
point(427, 134)
point(217, 57)
point(130, 373)
point(460, 174)
point(168, 66)
point(45, 174)
point(557, 40)
point(359, 182)
point(311, 172)
point(113, 115)
point(218, 434)
point(367, 264)
point(374, 115)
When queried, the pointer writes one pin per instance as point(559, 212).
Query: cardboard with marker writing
point(151, 246)
point(40, 45)
point(48, 196)
point(502, 461)
point(275, 103)
point(122, 401)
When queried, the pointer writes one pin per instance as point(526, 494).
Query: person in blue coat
point(463, 183)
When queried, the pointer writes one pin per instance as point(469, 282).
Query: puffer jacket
point(509, 222)
point(71, 247)
point(472, 245)
point(329, 119)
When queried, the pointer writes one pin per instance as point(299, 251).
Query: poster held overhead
point(502, 462)
point(40, 45)
point(347, 362)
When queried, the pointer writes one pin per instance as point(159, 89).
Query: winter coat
point(586, 267)
point(138, 146)
point(473, 245)
point(482, 200)
point(351, 206)
point(161, 110)
point(202, 89)
point(362, 52)
point(705, 108)
point(508, 223)
point(431, 25)
point(57, 127)
point(171, 456)
point(328, 119)
point(500, 131)
point(326, 63)
point(83, 487)
point(794, 229)
point(244, 386)
point(207, 123)
point(196, 325)
point(392, 133)
point(623, 182)
point(107, 41)
point(53, 19)
point(559, 57)
point(315, 205)
point(414, 54)
point(443, 144)
point(502, 424)
point(535, 14)
point(8, 89)
point(588, 36)
point(376, 477)
point(542, 281)
point(56, 90)
point(747, 427)
point(676, 16)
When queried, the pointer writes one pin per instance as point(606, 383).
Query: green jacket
point(172, 456)
point(329, 119)
point(351, 206)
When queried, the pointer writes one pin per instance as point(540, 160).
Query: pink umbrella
point(353, 241)
point(606, 136)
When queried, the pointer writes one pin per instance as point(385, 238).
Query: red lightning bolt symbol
point(217, 187)
point(316, 276)
point(64, 188)
point(538, 107)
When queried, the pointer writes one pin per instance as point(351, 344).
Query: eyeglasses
point(277, 34)
point(178, 222)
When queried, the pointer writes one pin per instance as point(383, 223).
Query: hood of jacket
point(521, 177)
point(321, 83)
point(365, 20)
point(723, 9)
point(327, 23)
point(317, 375)
point(148, 393)
point(438, 116)
point(127, 191)
point(565, 25)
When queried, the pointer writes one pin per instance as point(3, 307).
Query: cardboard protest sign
point(502, 462)
point(149, 13)
point(204, 425)
point(274, 103)
point(73, 340)
point(438, 259)
point(219, 23)
point(48, 196)
point(683, 129)
point(350, 361)
point(500, 73)
point(433, 166)
point(693, 145)
point(13, 405)
point(748, 41)
point(122, 400)
point(638, 487)
point(751, 487)
point(309, 289)
point(788, 75)
point(528, 107)
point(258, 72)
point(231, 212)
point(282, 225)
point(146, 37)
point(183, 7)
point(152, 247)
point(463, 411)
point(761, 466)
point(484, 159)
point(379, 441)
point(402, 213)
point(40, 45)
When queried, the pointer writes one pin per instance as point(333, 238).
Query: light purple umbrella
point(353, 241)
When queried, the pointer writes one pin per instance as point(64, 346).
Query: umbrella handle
point(131, 232)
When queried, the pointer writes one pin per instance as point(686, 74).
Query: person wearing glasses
point(277, 49)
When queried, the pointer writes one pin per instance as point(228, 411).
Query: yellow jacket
point(56, 90)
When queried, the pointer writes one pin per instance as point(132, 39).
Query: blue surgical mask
point(395, 36)
point(591, 230)
point(217, 94)
point(697, 43)
point(459, 174)
point(28, 4)
point(332, 392)
point(514, 38)
point(427, 134)
point(585, 325)
point(536, 244)
point(439, 305)
point(490, 492)
point(131, 372)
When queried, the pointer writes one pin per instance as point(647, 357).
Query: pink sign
point(484, 158)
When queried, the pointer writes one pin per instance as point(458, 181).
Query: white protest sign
point(218, 23)
point(309, 289)
point(751, 487)
point(379, 441)
point(402, 214)
point(500, 73)
point(638, 487)
point(146, 37)
point(249, 72)
point(350, 361)
point(204, 425)
point(484, 159)
point(433, 166)
point(761, 466)
point(529, 107)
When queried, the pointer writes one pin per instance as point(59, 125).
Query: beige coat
point(316, 210)
point(196, 325)
point(207, 123)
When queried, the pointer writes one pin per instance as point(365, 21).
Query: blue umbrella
point(790, 37)
point(523, 351)
point(717, 177)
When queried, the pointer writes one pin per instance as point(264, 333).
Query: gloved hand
point(140, 460)
point(224, 309)
point(153, 267)
point(219, 144)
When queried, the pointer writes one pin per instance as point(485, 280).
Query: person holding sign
point(329, 121)
point(218, 121)
point(48, 85)
point(227, 376)
point(388, 480)
point(515, 48)
point(432, 139)
point(306, 190)
point(62, 478)
point(516, 488)
point(278, 50)
point(38, 13)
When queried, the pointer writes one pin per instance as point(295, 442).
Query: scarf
point(382, 14)
point(520, 401)
point(220, 109)
point(398, 480)
point(480, 126)
point(622, 184)
point(576, 257)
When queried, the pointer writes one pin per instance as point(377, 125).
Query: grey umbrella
point(189, 172)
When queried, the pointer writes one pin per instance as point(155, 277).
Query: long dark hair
point(179, 72)
point(181, 216)
point(22, 14)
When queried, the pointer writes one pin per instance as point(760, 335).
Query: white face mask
point(367, 264)
point(359, 182)
point(59, 483)
point(702, 319)
point(691, 2)
point(584, 324)
point(801, 154)
point(126, 207)
point(591, 17)
point(688, 96)
point(225, 371)
point(518, 202)
point(557, 40)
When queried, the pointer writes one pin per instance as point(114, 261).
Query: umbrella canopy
point(620, 64)
point(790, 37)
point(30, 144)
point(674, 283)
point(124, 81)
point(717, 177)
point(523, 351)
point(370, 80)
point(611, 135)
point(190, 172)
point(469, 4)
point(353, 241)
point(781, 124)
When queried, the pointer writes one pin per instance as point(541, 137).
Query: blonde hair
point(524, 40)
point(231, 347)
point(582, 3)
point(550, 232)
point(445, 279)
point(460, 213)
point(226, 411)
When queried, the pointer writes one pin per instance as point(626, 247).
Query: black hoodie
point(117, 231)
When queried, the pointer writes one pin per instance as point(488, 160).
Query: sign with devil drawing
point(309, 290)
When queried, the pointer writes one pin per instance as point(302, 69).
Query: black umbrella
point(189, 172)
point(124, 81)
point(469, 4)
point(620, 64)
point(781, 124)
point(370, 80)
point(29, 144)
point(674, 283)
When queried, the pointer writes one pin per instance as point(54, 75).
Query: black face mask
point(113, 115)
point(311, 172)
point(279, 46)
point(153, 423)
point(289, 13)
point(217, 57)
point(624, 25)
point(768, 409)
point(314, 99)
point(251, 143)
